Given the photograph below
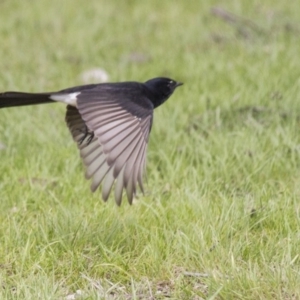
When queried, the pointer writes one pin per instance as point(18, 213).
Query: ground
point(220, 214)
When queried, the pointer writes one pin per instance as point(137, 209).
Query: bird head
point(162, 88)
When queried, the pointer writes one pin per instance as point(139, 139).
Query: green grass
point(223, 174)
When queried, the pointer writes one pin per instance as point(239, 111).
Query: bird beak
point(178, 84)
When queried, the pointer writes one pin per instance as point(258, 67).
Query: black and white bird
point(110, 123)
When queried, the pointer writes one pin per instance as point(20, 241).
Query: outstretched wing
point(115, 147)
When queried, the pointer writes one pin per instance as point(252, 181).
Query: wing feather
point(116, 154)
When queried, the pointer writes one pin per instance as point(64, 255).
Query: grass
point(220, 218)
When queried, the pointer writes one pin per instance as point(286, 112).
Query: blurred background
point(223, 159)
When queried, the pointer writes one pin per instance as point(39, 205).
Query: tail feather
point(9, 99)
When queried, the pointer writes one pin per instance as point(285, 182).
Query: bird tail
point(9, 99)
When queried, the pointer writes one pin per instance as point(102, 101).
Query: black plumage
point(111, 123)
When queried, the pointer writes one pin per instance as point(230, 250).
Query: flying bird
point(111, 123)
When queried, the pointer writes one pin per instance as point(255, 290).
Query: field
point(220, 218)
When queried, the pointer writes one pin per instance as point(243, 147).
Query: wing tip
point(93, 188)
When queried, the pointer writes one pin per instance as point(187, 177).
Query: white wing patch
point(70, 99)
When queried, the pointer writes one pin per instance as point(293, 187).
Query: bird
point(111, 123)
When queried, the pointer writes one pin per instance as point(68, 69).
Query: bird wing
point(119, 132)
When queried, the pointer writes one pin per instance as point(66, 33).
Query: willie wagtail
point(110, 123)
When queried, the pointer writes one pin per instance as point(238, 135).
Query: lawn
point(220, 218)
